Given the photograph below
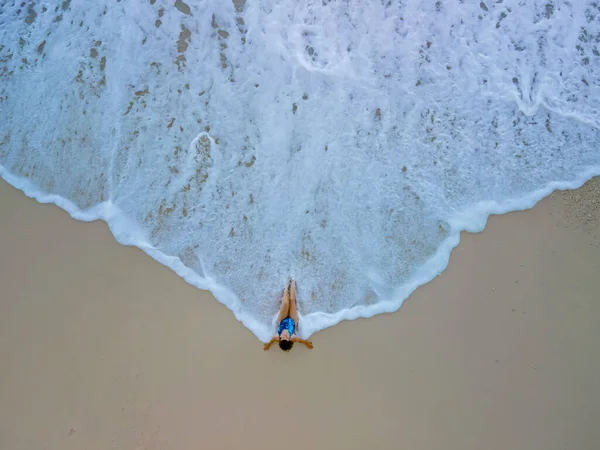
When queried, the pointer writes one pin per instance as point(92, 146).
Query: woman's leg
point(293, 308)
point(285, 306)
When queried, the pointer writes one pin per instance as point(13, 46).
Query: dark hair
point(285, 345)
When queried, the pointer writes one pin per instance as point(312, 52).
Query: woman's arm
point(273, 340)
point(302, 341)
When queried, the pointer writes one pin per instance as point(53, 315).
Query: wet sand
point(103, 348)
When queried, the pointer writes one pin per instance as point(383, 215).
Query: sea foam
point(344, 143)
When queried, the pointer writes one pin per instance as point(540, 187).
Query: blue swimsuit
point(287, 324)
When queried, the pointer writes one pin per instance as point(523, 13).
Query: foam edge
point(127, 233)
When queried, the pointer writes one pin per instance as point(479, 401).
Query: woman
point(287, 321)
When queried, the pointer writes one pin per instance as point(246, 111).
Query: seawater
point(345, 143)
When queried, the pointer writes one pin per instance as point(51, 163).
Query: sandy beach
point(103, 348)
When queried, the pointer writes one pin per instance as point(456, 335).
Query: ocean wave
point(346, 144)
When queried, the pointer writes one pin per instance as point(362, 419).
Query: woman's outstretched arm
point(309, 344)
point(273, 340)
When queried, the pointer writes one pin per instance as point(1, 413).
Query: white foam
point(346, 144)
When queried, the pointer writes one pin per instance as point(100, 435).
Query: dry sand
point(103, 348)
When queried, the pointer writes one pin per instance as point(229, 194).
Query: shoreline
point(100, 347)
point(128, 233)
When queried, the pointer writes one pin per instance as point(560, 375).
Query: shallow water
point(344, 143)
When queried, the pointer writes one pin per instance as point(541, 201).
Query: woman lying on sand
point(287, 322)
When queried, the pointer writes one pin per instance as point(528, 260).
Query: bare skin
point(288, 309)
